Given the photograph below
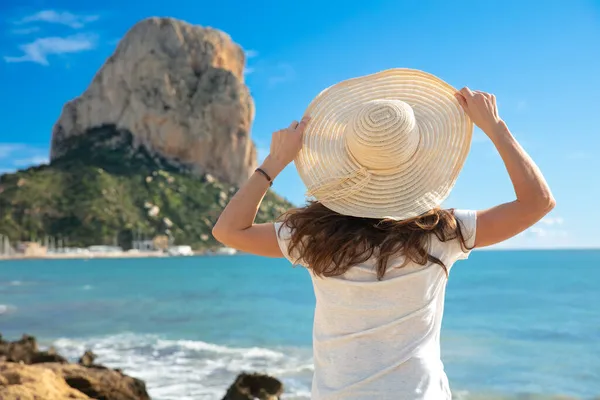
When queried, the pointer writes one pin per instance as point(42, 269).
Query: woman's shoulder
point(462, 241)
point(468, 218)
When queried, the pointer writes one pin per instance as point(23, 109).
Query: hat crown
point(383, 134)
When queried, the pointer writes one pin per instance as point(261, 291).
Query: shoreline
point(121, 255)
point(126, 254)
point(82, 256)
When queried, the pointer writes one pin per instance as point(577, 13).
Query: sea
point(517, 324)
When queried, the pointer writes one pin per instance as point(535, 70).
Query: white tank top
point(381, 339)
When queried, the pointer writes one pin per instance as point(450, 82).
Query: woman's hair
point(330, 243)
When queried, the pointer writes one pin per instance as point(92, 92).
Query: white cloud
point(251, 53)
point(6, 149)
point(34, 160)
point(541, 232)
point(39, 50)
point(522, 105)
point(19, 155)
point(551, 221)
point(283, 72)
point(26, 31)
point(248, 70)
point(548, 233)
point(548, 227)
point(539, 238)
point(59, 17)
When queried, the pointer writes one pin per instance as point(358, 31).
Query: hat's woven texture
point(386, 145)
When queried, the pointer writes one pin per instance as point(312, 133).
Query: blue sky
point(540, 58)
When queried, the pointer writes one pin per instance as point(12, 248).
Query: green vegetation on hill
point(86, 204)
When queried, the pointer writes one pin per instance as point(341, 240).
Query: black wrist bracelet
point(263, 173)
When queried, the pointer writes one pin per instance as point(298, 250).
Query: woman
point(379, 154)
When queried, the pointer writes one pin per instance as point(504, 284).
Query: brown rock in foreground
point(176, 91)
point(19, 380)
point(53, 378)
point(34, 382)
point(100, 383)
point(254, 386)
point(26, 350)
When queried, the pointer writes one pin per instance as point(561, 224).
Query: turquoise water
point(516, 323)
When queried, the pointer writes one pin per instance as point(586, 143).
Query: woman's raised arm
point(235, 227)
point(534, 199)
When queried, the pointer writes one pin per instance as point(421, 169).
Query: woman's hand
point(285, 145)
point(534, 199)
point(235, 227)
point(481, 108)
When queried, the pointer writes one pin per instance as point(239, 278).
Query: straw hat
point(385, 145)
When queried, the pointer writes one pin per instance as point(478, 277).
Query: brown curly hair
point(330, 243)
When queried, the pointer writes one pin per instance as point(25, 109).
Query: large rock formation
point(172, 90)
point(156, 146)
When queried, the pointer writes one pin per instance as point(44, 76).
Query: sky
point(541, 58)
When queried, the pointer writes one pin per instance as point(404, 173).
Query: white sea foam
point(197, 370)
point(188, 369)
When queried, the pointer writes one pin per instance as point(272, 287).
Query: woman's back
point(380, 154)
point(377, 339)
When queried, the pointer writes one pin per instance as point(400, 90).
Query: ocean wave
point(189, 369)
point(192, 370)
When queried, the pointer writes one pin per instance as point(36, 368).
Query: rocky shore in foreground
point(28, 373)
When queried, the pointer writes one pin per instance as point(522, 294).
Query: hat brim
point(423, 182)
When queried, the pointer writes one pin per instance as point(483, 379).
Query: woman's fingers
point(302, 125)
point(466, 92)
point(480, 107)
point(293, 125)
point(491, 98)
point(495, 106)
point(461, 100)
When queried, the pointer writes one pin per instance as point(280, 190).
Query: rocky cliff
point(156, 145)
point(173, 91)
